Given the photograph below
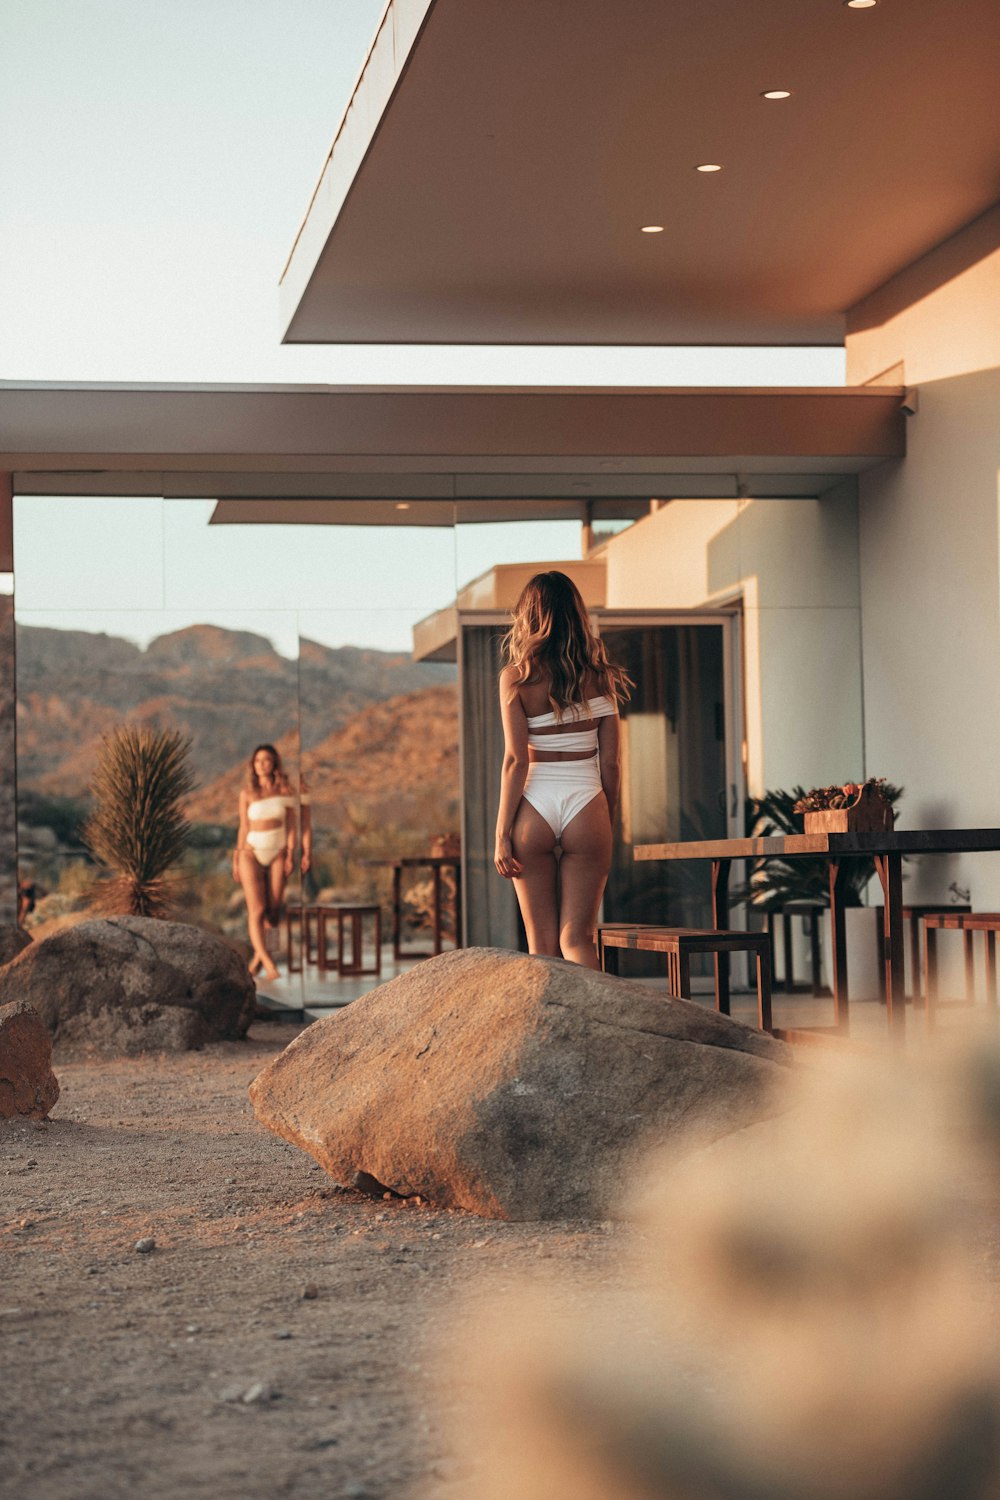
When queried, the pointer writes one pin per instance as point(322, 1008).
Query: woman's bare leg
point(583, 874)
point(276, 879)
point(533, 844)
point(252, 880)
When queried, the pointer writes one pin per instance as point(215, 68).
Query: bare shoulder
point(508, 684)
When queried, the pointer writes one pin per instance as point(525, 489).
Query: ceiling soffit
point(494, 169)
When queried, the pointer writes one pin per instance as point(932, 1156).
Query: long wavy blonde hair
point(551, 638)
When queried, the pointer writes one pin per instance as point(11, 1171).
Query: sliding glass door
point(678, 781)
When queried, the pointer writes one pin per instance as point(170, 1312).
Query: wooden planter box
point(868, 815)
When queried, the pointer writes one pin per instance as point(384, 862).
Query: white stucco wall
point(930, 554)
point(794, 564)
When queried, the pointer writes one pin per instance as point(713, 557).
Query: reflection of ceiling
point(493, 170)
point(321, 454)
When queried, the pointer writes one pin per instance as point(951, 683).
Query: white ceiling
point(494, 169)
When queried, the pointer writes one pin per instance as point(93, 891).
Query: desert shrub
point(138, 831)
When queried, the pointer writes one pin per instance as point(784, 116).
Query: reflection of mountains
point(394, 762)
point(226, 689)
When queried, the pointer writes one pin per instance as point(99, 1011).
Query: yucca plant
point(137, 830)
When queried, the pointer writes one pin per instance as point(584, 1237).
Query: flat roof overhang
point(496, 162)
point(315, 455)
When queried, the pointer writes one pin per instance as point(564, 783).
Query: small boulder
point(28, 1085)
point(515, 1087)
point(13, 940)
point(132, 984)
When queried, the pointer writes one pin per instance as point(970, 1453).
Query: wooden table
point(887, 850)
point(435, 863)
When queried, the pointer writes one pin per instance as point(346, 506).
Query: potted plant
point(852, 807)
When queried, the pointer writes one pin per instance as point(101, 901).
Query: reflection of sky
point(140, 567)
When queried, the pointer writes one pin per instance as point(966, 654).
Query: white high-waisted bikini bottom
point(267, 844)
point(559, 789)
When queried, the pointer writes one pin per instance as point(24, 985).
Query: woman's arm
point(305, 814)
point(609, 751)
point(290, 832)
point(514, 772)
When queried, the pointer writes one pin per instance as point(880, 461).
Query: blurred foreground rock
point(28, 1085)
point(131, 984)
point(808, 1315)
point(516, 1087)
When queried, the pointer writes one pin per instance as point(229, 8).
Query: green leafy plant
point(138, 830)
point(775, 881)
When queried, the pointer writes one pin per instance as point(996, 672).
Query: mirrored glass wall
point(139, 611)
point(364, 659)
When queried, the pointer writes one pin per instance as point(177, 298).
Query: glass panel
point(380, 760)
point(673, 769)
point(492, 917)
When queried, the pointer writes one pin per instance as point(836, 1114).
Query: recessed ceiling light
point(860, 4)
point(709, 166)
point(402, 504)
point(652, 229)
point(776, 94)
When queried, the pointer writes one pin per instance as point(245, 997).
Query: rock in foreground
point(13, 940)
point(131, 984)
point(516, 1087)
point(28, 1085)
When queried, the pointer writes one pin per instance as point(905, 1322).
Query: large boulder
point(518, 1088)
point(131, 984)
point(28, 1085)
point(13, 939)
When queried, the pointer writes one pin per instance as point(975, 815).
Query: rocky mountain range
point(362, 714)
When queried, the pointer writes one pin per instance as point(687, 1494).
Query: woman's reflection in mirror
point(265, 849)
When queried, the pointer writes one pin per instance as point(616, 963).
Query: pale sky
point(156, 159)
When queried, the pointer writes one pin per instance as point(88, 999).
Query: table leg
point(459, 935)
point(684, 976)
point(321, 942)
point(436, 872)
point(991, 969)
point(764, 987)
point(915, 960)
point(890, 872)
point(397, 910)
point(814, 952)
point(930, 972)
point(378, 942)
point(838, 946)
point(970, 968)
point(786, 937)
point(720, 921)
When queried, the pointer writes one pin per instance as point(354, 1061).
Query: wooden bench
point(679, 944)
point(347, 913)
point(968, 923)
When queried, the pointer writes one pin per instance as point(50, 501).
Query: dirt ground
point(281, 1336)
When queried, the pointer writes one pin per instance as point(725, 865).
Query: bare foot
point(270, 972)
point(254, 965)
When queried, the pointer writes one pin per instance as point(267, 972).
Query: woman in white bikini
point(265, 848)
point(559, 697)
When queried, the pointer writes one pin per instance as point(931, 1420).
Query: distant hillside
point(395, 762)
point(227, 689)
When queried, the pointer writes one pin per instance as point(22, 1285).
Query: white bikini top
point(600, 707)
point(269, 807)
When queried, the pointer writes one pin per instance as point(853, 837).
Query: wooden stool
point(968, 923)
point(914, 915)
point(808, 909)
point(603, 927)
point(343, 912)
point(679, 943)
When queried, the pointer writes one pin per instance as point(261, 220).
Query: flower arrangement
point(826, 798)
